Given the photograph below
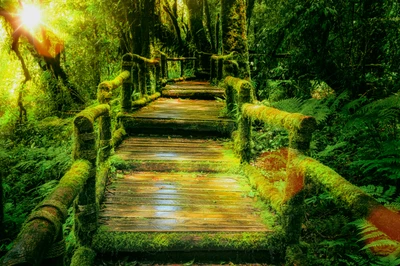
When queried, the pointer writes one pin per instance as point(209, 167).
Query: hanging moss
point(83, 256)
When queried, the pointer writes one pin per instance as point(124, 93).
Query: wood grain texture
point(179, 202)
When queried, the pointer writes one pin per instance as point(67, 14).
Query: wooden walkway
point(185, 185)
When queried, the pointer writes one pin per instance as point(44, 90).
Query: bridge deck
point(179, 201)
point(179, 193)
point(193, 89)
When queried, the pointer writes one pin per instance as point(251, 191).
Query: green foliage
point(36, 157)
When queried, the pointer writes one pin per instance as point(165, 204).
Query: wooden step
point(179, 116)
point(163, 211)
point(174, 153)
point(193, 90)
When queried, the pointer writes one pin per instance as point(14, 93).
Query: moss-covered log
point(83, 256)
point(105, 88)
point(264, 186)
point(300, 127)
point(44, 225)
point(352, 197)
point(85, 148)
point(146, 100)
point(118, 136)
point(234, 34)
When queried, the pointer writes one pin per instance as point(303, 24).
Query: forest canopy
point(336, 60)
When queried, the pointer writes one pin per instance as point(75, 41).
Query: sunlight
point(31, 16)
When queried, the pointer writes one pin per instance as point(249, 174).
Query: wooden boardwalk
point(186, 186)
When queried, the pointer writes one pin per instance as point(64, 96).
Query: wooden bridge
point(165, 177)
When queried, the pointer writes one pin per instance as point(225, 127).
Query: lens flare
point(31, 16)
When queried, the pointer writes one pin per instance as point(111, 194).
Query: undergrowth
point(35, 156)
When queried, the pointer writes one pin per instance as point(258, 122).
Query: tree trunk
point(209, 27)
point(234, 34)
point(196, 29)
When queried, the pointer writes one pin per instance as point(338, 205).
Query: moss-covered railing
point(145, 79)
point(222, 66)
point(41, 240)
point(301, 170)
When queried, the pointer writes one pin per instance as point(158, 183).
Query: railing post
point(104, 126)
point(158, 76)
point(86, 209)
point(244, 123)
point(142, 79)
point(196, 63)
point(293, 210)
point(182, 68)
point(220, 66)
point(126, 100)
point(213, 68)
point(164, 66)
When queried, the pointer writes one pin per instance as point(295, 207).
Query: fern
point(379, 193)
point(311, 107)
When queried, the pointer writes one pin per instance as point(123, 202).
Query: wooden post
point(142, 79)
point(220, 67)
point(244, 123)
point(105, 145)
point(293, 210)
point(127, 88)
point(86, 210)
point(182, 68)
point(196, 63)
point(213, 68)
point(158, 77)
point(164, 66)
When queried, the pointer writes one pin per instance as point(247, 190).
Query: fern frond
point(381, 243)
point(372, 235)
point(291, 105)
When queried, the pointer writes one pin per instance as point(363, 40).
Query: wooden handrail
point(42, 237)
point(140, 68)
point(42, 231)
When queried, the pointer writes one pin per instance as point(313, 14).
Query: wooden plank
point(105, 214)
point(179, 229)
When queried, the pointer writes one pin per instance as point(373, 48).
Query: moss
point(83, 256)
point(118, 136)
point(101, 180)
point(85, 119)
point(105, 88)
point(234, 33)
point(342, 190)
point(111, 241)
point(146, 100)
point(265, 187)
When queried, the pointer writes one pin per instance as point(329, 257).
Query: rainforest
point(199, 132)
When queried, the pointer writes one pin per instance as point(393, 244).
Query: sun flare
point(31, 16)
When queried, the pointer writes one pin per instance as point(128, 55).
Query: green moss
point(83, 256)
point(105, 88)
point(118, 136)
point(89, 115)
point(111, 241)
point(266, 187)
point(146, 100)
point(101, 180)
point(355, 199)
